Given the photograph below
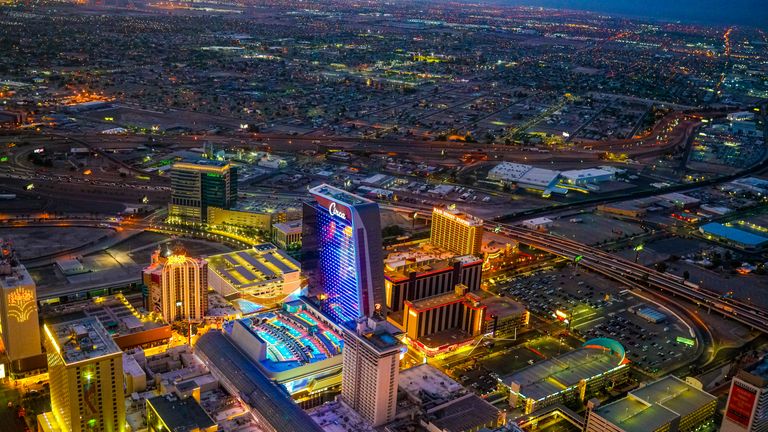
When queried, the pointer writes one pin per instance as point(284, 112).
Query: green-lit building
point(198, 185)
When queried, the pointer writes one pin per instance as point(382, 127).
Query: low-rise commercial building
point(669, 405)
point(735, 237)
point(170, 413)
point(287, 235)
point(586, 176)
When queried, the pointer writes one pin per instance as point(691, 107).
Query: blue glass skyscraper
point(342, 245)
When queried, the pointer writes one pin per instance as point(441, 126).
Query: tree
point(392, 231)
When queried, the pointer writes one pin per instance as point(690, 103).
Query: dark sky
point(724, 12)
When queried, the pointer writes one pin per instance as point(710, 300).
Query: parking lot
point(591, 306)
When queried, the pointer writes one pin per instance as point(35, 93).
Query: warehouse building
point(735, 237)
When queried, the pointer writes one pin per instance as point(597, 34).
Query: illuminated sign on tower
point(342, 244)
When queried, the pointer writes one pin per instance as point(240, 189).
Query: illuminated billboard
point(740, 405)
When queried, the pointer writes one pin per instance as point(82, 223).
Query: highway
point(638, 276)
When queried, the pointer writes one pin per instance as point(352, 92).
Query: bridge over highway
point(638, 276)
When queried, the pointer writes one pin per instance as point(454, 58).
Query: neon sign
point(336, 212)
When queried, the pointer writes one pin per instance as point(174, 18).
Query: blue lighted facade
point(342, 254)
point(338, 268)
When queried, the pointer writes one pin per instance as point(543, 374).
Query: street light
point(637, 249)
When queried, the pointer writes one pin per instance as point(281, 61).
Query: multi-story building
point(263, 273)
point(196, 186)
point(407, 278)
point(85, 371)
point(456, 231)
point(254, 214)
point(18, 310)
point(342, 253)
point(747, 406)
point(460, 310)
point(178, 286)
point(666, 405)
point(287, 235)
point(443, 322)
point(371, 364)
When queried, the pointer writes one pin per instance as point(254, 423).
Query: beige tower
point(458, 232)
point(85, 370)
point(18, 308)
point(178, 286)
point(370, 368)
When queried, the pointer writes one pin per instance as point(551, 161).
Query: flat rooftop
point(19, 277)
point(467, 218)
point(264, 206)
point(254, 266)
point(500, 306)
point(335, 194)
point(429, 379)
point(181, 415)
point(674, 394)
point(654, 405)
point(382, 338)
point(290, 227)
point(632, 415)
point(559, 373)
point(438, 300)
point(421, 258)
point(733, 234)
point(760, 369)
point(468, 412)
point(82, 339)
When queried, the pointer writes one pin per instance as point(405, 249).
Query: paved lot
point(597, 307)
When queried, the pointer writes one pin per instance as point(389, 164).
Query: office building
point(342, 252)
point(287, 235)
point(504, 317)
point(263, 274)
point(747, 406)
point(85, 370)
point(457, 232)
point(178, 286)
point(669, 405)
point(170, 413)
point(254, 214)
point(419, 274)
point(371, 363)
point(196, 186)
point(571, 377)
point(18, 310)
